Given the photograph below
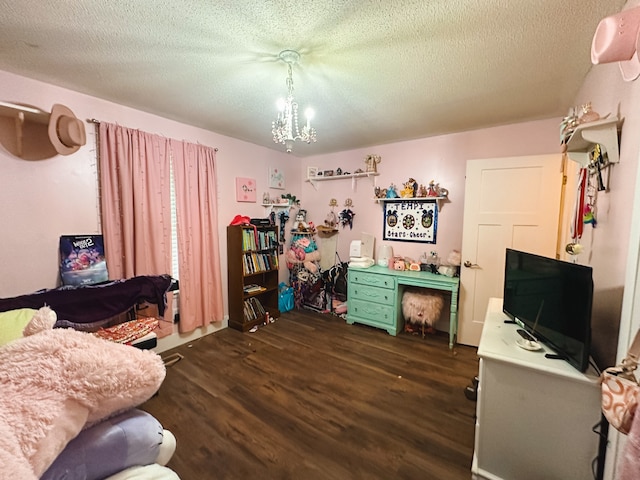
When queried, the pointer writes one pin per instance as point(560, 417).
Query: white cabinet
point(534, 415)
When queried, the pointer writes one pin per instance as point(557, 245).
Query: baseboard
point(176, 339)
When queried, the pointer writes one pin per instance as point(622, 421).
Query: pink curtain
point(136, 205)
point(197, 217)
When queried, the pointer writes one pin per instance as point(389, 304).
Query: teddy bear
point(311, 261)
point(296, 255)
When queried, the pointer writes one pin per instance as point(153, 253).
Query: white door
point(509, 202)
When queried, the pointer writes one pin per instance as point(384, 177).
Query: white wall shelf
point(276, 206)
point(585, 136)
point(353, 176)
point(438, 200)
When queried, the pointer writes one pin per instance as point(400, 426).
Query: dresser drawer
point(371, 294)
point(377, 313)
point(364, 278)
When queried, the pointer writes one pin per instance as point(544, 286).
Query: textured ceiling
point(375, 71)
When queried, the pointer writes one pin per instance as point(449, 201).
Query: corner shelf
point(438, 200)
point(586, 135)
point(353, 176)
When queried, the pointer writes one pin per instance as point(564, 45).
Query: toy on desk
point(398, 263)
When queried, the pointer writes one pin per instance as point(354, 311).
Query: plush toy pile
point(303, 251)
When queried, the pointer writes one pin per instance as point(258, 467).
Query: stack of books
point(253, 288)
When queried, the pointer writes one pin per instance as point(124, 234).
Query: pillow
point(125, 440)
point(12, 323)
point(57, 382)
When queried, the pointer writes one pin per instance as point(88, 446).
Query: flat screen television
point(551, 299)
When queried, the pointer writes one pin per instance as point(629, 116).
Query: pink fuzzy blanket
point(57, 382)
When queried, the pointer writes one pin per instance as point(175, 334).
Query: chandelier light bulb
point(280, 104)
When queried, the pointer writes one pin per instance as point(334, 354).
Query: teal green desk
point(375, 296)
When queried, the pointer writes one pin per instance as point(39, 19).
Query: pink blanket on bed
point(56, 382)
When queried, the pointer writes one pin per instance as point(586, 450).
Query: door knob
point(468, 264)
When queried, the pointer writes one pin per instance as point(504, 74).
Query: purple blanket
point(91, 305)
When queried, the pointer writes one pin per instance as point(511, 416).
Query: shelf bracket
point(604, 132)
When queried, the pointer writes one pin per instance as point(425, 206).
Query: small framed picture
point(245, 189)
point(312, 172)
point(276, 178)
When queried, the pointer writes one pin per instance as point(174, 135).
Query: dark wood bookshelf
point(252, 263)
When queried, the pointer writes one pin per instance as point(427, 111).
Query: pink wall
point(441, 158)
point(607, 245)
point(45, 199)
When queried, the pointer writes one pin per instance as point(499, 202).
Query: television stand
point(534, 415)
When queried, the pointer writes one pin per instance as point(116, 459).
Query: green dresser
point(374, 296)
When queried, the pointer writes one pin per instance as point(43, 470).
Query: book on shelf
point(252, 288)
point(253, 309)
point(254, 262)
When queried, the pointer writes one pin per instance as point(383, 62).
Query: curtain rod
point(93, 120)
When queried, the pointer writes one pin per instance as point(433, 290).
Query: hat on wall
point(616, 40)
point(66, 132)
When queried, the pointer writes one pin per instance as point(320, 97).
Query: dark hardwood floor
point(310, 397)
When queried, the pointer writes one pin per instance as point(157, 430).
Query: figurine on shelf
point(301, 224)
point(422, 191)
point(265, 198)
point(372, 161)
point(391, 192)
point(380, 192)
point(588, 115)
point(410, 189)
point(432, 191)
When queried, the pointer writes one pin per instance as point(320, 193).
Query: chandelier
point(285, 128)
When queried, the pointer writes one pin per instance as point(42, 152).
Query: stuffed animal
point(296, 255)
point(422, 308)
point(310, 261)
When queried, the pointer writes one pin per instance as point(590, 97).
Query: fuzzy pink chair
point(421, 307)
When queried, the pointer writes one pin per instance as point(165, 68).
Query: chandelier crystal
point(285, 128)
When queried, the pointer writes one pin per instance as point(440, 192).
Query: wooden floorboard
point(310, 397)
